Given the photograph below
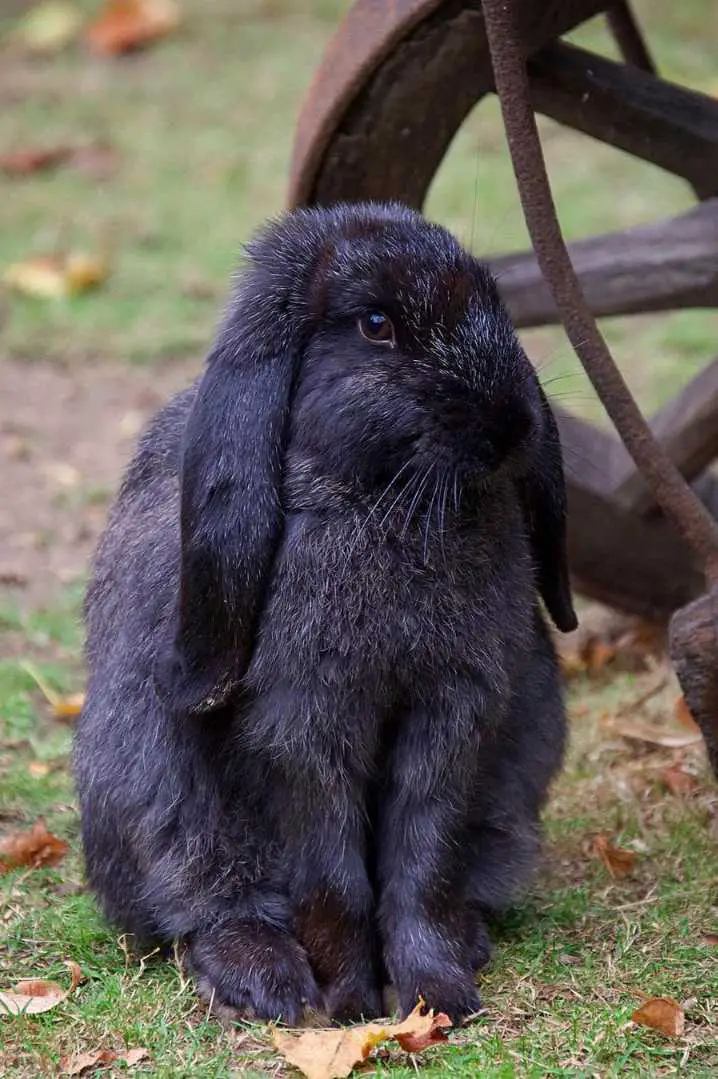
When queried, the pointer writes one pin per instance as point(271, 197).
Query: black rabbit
point(323, 708)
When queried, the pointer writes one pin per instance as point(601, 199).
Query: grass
point(201, 127)
point(571, 962)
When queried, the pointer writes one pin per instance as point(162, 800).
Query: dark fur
point(323, 707)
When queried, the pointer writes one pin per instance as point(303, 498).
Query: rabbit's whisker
point(427, 528)
point(407, 487)
point(374, 508)
point(415, 500)
point(441, 513)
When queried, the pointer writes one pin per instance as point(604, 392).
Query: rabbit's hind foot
point(250, 970)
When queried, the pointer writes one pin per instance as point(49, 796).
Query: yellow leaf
point(56, 276)
point(661, 1013)
point(62, 707)
point(68, 707)
point(49, 27)
point(84, 271)
point(38, 769)
point(333, 1054)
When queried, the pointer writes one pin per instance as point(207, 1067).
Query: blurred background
point(130, 181)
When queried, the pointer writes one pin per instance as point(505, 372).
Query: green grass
point(571, 960)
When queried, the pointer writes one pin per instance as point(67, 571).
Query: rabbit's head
point(376, 344)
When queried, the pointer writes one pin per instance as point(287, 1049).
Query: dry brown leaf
point(597, 655)
point(78, 1063)
point(710, 938)
point(48, 28)
point(333, 1054)
point(683, 715)
point(125, 25)
point(653, 735)
point(677, 780)
point(95, 159)
point(618, 861)
point(32, 996)
point(57, 276)
point(591, 657)
point(26, 162)
point(661, 1013)
point(35, 848)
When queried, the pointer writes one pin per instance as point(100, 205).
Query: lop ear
point(230, 522)
point(543, 494)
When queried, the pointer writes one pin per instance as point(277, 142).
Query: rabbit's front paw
point(354, 997)
point(255, 970)
point(447, 988)
point(342, 947)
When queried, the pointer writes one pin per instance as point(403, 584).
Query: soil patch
point(65, 438)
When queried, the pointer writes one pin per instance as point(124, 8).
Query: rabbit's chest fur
point(376, 608)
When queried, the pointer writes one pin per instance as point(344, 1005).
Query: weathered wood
point(592, 456)
point(658, 267)
point(693, 646)
point(627, 35)
point(639, 566)
point(378, 120)
point(631, 109)
point(687, 428)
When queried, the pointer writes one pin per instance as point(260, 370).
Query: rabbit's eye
point(377, 328)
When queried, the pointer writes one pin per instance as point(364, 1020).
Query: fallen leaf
point(49, 27)
point(95, 159)
point(333, 1054)
point(571, 664)
point(25, 162)
point(125, 25)
point(656, 736)
point(677, 780)
point(661, 1013)
point(38, 769)
point(591, 657)
point(618, 862)
point(35, 848)
point(32, 996)
point(711, 939)
point(69, 706)
point(56, 276)
point(597, 655)
point(683, 715)
point(77, 1063)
